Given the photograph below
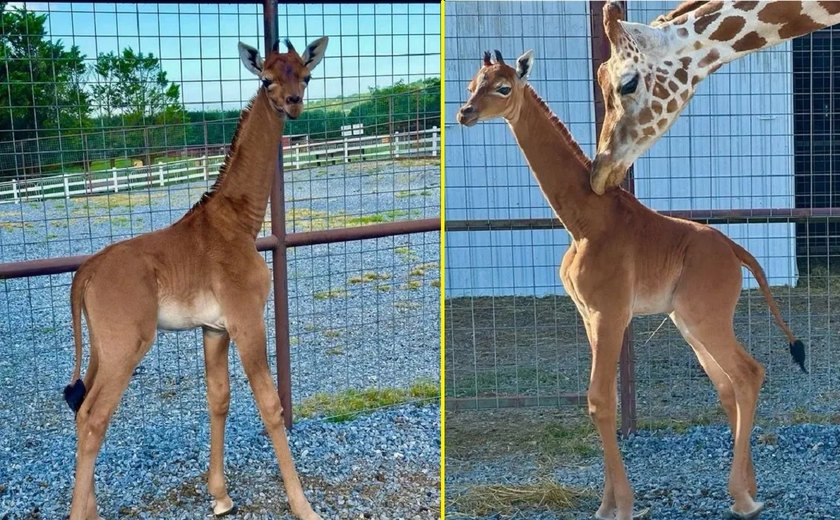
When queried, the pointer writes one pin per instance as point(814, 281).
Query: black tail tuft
point(74, 395)
point(797, 350)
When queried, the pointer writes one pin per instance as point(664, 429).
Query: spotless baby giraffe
point(653, 71)
point(202, 271)
point(627, 260)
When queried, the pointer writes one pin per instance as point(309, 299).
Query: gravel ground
point(382, 465)
point(678, 475)
point(344, 335)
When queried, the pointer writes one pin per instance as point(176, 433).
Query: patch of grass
point(12, 226)
point(435, 283)
point(294, 340)
point(420, 270)
point(52, 236)
point(683, 425)
point(335, 351)
point(345, 405)
point(369, 277)
point(412, 285)
point(122, 200)
point(404, 194)
point(310, 219)
point(331, 333)
point(406, 253)
point(330, 294)
point(310, 327)
point(383, 288)
point(419, 162)
point(507, 499)
point(407, 305)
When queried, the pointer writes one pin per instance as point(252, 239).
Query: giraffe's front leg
point(216, 347)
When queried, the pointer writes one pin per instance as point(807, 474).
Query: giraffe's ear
point(314, 52)
point(250, 58)
point(524, 63)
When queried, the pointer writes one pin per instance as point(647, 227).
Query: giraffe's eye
point(628, 87)
point(266, 83)
point(503, 90)
point(306, 79)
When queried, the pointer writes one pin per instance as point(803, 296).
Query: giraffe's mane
point(561, 127)
point(224, 168)
point(684, 8)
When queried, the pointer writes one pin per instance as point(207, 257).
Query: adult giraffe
point(627, 260)
point(202, 271)
point(654, 70)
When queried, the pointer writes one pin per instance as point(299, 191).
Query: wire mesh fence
point(82, 167)
point(750, 156)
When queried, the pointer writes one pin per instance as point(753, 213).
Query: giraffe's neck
point(249, 171)
point(719, 32)
point(557, 162)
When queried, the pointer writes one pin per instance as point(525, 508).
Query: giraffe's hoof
point(759, 507)
point(223, 507)
point(644, 513)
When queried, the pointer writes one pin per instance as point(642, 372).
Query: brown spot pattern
point(831, 7)
point(790, 16)
point(661, 92)
point(649, 131)
point(672, 86)
point(685, 62)
point(681, 75)
point(672, 105)
point(728, 29)
point(704, 21)
point(645, 116)
point(662, 123)
point(709, 58)
point(656, 106)
point(748, 42)
point(661, 79)
point(684, 95)
point(695, 80)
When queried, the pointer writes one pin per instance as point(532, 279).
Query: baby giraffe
point(627, 260)
point(202, 271)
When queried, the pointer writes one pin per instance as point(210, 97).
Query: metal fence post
point(278, 254)
point(434, 141)
point(66, 186)
point(601, 53)
point(114, 178)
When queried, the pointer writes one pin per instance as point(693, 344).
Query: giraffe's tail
point(74, 393)
point(796, 347)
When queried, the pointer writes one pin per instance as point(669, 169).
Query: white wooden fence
point(425, 143)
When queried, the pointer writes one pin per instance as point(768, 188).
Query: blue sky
point(370, 45)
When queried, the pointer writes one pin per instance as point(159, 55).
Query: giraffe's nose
point(293, 100)
point(467, 109)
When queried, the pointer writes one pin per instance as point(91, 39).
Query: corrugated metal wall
point(732, 148)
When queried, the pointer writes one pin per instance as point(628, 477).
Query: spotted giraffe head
point(644, 92)
point(653, 70)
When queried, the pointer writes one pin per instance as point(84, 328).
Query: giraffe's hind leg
point(738, 378)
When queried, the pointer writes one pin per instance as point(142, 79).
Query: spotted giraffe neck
point(717, 33)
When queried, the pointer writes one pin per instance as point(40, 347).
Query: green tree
point(401, 107)
point(40, 92)
point(132, 88)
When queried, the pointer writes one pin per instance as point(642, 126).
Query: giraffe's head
point(284, 75)
point(496, 90)
point(644, 90)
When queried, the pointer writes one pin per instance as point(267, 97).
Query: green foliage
point(134, 86)
point(42, 84)
point(401, 107)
